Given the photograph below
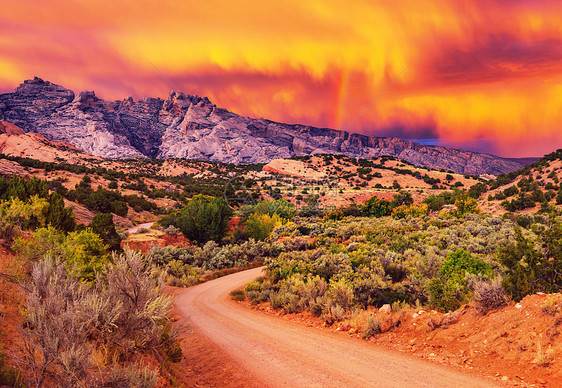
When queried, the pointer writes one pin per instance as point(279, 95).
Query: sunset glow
point(483, 75)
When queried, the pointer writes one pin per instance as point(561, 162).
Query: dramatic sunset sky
point(482, 75)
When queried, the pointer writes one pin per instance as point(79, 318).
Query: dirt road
point(135, 229)
point(278, 353)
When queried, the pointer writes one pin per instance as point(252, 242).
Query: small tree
point(102, 224)
point(259, 226)
point(204, 218)
point(465, 205)
point(59, 216)
point(375, 207)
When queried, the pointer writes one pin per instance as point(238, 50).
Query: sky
point(479, 75)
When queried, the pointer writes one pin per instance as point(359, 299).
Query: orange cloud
point(485, 75)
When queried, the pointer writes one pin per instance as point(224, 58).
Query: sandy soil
point(279, 353)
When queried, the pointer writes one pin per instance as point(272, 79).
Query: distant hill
point(188, 126)
point(536, 186)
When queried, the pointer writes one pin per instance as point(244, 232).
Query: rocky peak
point(39, 88)
point(190, 126)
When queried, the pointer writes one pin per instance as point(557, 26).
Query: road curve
point(283, 354)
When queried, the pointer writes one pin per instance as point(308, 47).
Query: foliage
point(382, 260)
point(446, 295)
point(404, 211)
point(74, 333)
point(24, 215)
point(436, 202)
point(460, 263)
point(533, 265)
point(373, 328)
point(58, 216)
point(83, 250)
point(99, 200)
point(280, 207)
point(203, 219)
point(259, 226)
point(375, 207)
point(22, 189)
point(8, 374)
point(102, 224)
point(465, 204)
point(186, 266)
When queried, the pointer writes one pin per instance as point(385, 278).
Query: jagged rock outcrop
point(187, 126)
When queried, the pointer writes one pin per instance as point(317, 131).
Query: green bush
point(375, 207)
point(102, 224)
point(204, 219)
point(530, 269)
point(459, 263)
point(445, 295)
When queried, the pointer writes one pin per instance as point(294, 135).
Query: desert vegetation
point(91, 316)
point(95, 315)
point(442, 261)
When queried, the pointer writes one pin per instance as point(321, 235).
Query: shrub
point(59, 216)
point(444, 295)
point(83, 250)
point(69, 323)
point(135, 375)
point(9, 375)
point(459, 263)
point(465, 205)
point(172, 230)
point(489, 295)
point(238, 295)
point(337, 313)
point(372, 329)
point(529, 269)
point(19, 215)
point(375, 207)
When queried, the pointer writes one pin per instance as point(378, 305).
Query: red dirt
point(11, 300)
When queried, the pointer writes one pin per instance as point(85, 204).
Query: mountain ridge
point(191, 127)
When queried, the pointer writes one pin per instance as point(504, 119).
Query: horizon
point(486, 78)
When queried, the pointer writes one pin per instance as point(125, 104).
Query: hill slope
point(186, 126)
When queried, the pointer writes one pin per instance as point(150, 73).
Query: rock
point(189, 126)
point(518, 306)
point(505, 378)
point(415, 315)
point(385, 308)
point(345, 327)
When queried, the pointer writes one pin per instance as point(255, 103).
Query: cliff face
point(186, 126)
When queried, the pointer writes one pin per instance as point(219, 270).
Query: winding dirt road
point(278, 353)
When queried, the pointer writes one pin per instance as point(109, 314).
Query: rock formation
point(187, 126)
